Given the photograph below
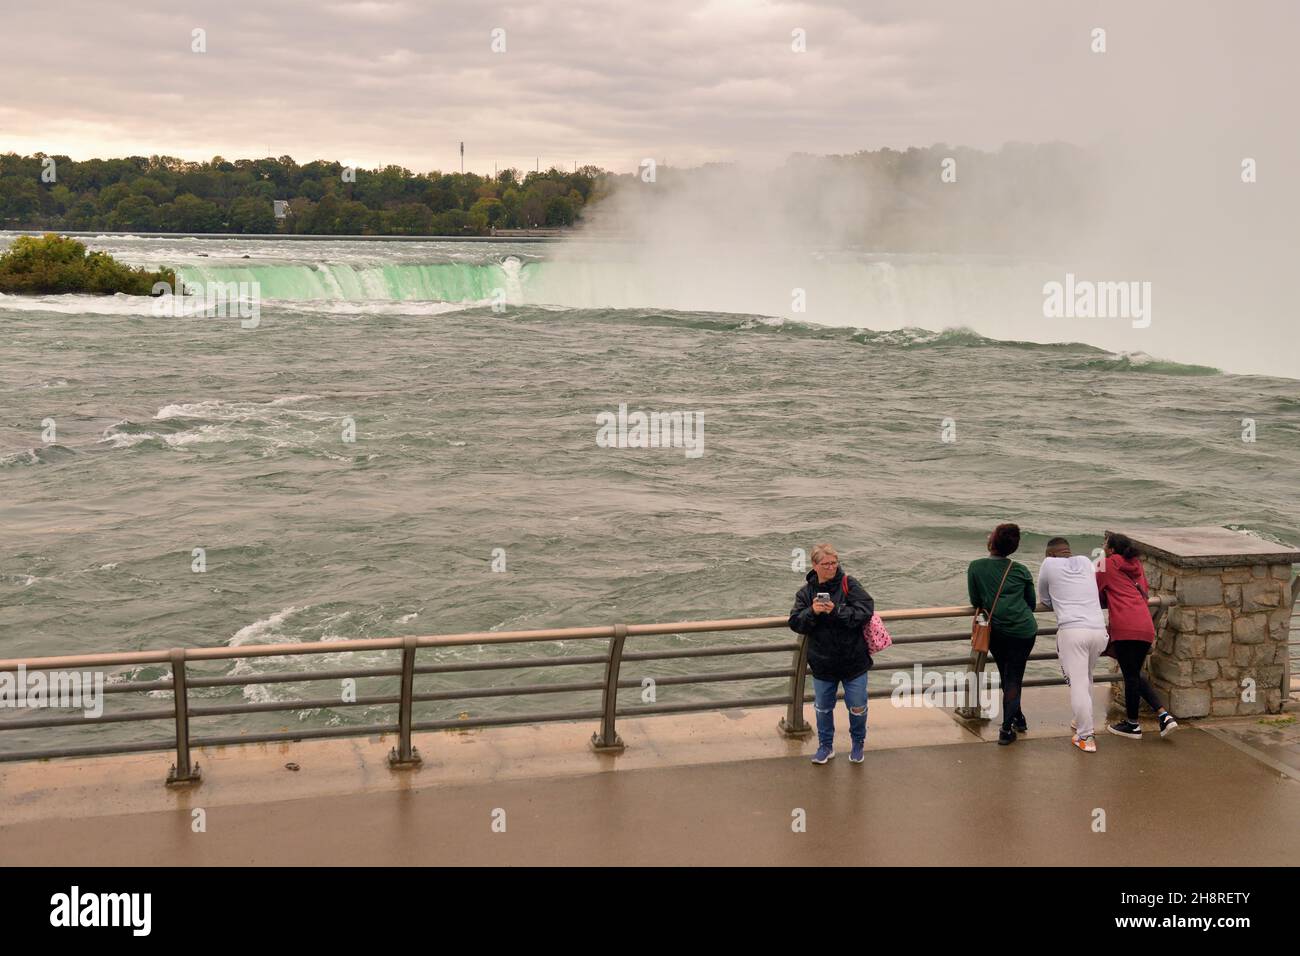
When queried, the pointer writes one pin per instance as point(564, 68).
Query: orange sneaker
point(1087, 744)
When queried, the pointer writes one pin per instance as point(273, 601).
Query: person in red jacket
point(1122, 587)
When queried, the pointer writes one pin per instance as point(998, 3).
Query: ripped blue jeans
point(855, 698)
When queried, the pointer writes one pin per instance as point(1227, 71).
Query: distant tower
point(462, 157)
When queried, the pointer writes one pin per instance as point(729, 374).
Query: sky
point(1183, 92)
point(609, 83)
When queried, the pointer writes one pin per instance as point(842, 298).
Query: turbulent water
point(475, 430)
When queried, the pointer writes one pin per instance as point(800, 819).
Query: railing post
point(182, 773)
point(404, 756)
point(793, 724)
point(608, 740)
point(972, 710)
point(1286, 655)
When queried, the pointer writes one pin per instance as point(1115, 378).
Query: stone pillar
point(1230, 623)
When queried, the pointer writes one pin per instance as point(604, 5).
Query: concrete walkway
point(1197, 803)
point(717, 788)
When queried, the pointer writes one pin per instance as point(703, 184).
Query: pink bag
point(877, 637)
point(874, 633)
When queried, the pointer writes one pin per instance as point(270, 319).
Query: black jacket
point(837, 649)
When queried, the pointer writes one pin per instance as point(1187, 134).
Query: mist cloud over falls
point(950, 236)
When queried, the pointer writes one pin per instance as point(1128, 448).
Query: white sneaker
point(1087, 744)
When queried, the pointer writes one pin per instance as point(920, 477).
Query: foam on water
point(259, 631)
point(217, 408)
point(39, 455)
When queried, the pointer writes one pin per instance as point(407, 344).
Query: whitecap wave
point(40, 455)
point(1137, 359)
point(272, 423)
point(255, 633)
point(27, 457)
point(1261, 535)
point(373, 307)
point(222, 410)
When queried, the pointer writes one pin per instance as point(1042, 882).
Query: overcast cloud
point(609, 83)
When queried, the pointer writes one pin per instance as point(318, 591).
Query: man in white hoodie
point(1068, 585)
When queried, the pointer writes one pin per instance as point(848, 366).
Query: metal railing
point(404, 754)
point(1290, 679)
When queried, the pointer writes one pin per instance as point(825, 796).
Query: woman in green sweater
point(1014, 627)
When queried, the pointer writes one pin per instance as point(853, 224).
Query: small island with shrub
point(54, 265)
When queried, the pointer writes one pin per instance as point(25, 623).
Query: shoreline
point(306, 237)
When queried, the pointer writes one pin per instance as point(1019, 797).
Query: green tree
point(55, 265)
point(252, 215)
point(411, 219)
point(111, 195)
point(84, 214)
point(560, 211)
point(492, 211)
point(189, 213)
point(353, 219)
point(453, 222)
point(156, 190)
point(134, 214)
point(62, 198)
point(20, 200)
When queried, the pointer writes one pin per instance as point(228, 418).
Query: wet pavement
point(694, 789)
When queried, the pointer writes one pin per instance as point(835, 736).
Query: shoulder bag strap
point(1000, 586)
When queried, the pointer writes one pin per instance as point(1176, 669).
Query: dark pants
point(1010, 654)
point(1130, 655)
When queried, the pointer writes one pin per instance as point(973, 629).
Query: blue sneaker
point(855, 755)
point(823, 754)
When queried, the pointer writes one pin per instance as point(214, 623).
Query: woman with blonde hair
point(832, 609)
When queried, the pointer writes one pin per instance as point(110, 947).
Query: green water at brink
point(435, 282)
point(475, 430)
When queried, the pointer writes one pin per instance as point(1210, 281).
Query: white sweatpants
point(1078, 648)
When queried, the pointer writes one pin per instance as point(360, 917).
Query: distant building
point(281, 208)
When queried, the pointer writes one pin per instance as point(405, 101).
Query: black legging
point(1011, 655)
point(1130, 655)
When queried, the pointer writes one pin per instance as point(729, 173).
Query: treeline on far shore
point(1022, 197)
point(165, 194)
